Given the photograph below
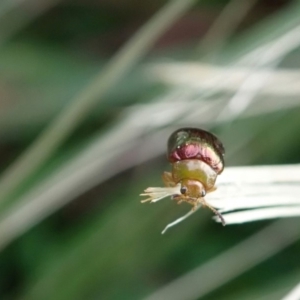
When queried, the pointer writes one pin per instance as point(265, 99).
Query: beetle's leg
point(195, 207)
point(178, 198)
point(168, 179)
point(204, 203)
point(182, 218)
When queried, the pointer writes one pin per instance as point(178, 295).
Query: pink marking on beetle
point(197, 151)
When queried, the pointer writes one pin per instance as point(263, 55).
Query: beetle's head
point(192, 189)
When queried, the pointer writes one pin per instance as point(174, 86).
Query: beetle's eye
point(203, 193)
point(183, 190)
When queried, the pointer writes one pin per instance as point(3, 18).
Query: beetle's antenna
point(181, 218)
point(216, 212)
point(155, 194)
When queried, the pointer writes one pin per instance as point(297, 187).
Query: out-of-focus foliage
point(74, 228)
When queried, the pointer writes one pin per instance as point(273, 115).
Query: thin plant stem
point(224, 26)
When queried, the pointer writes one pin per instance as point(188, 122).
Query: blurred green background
point(97, 96)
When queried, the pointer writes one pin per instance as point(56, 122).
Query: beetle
point(197, 158)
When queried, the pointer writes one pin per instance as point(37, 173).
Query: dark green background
point(105, 244)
